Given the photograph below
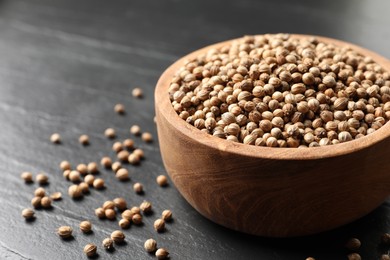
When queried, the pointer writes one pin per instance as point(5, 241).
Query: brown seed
point(353, 244)
point(65, 165)
point(137, 219)
point(124, 223)
point(110, 133)
point(354, 256)
point(117, 147)
point(385, 257)
point(385, 239)
point(36, 202)
point(166, 215)
point(28, 214)
point(55, 138)
point(108, 205)
point(74, 176)
point(40, 192)
point(66, 174)
point(92, 167)
point(162, 253)
point(90, 250)
point(85, 226)
point(120, 203)
point(128, 143)
point(150, 245)
point(99, 212)
point(75, 191)
point(98, 183)
point(146, 206)
point(84, 139)
point(56, 195)
point(108, 243)
point(122, 174)
point(82, 169)
point(135, 210)
point(120, 109)
point(110, 214)
point(118, 236)
point(159, 225)
point(84, 187)
point(106, 162)
point(127, 214)
point(139, 152)
point(162, 180)
point(88, 179)
point(138, 188)
point(133, 159)
point(137, 92)
point(135, 130)
point(310, 258)
point(116, 166)
point(42, 178)
point(147, 137)
point(123, 156)
point(46, 202)
point(27, 176)
point(65, 231)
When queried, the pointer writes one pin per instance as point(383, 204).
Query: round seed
point(146, 206)
point(66, 174)
point(84, 187)
point(137, 92)
point(65, 165)
point(110, 214)
point(36, 202)
point(147, 137)
point(74, 176)
point(65, 231)
point(137, 219)
point(117, 147)
point(122, 174)
point(118, 236)
point(99, 212)
point(108, 205)
point(124, 223)
point(138, 188)
point(46, 202)
point(92, 168)
point(42, 178)
point(120, 109)
point(353, 244)
point(85, 226)
point(133, 159)
point(108, 243)
point(88, 179)
point(82, 168)
point(162, 253)
point(98, 183)
point(123, 156)
point(40, 192)
point(127, 214)
point(75, 191)
point(27, 176)
point(159, 225)
point(162, 180)
point(166, 215)
point(56, 196)
point(116, 166)
point(106, 162)
point(84, 139)
point(135, 130)
point(139, 152)
point(120, 203)
point(128, 143)
point(28, 214)
point(55, 138)
point(90, 250)
point(150, 245)
point(110, 133)
point(354, 256)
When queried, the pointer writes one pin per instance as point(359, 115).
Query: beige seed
point(124, 223)
point(127, 214)
point(56, 196)
point(159, 225)
point(146, 206)
point(99, 212)
point(135, 130)
point(28, 214)
point(138, 188)
point(120, 109)
point(55, 138)
point(147, 137)
point(106, 162)
point(139, 152)
point(98, 183)
point(40, 192)
point(116, 166)
point(46, 202)
point(108, 243)
point(133, 159)
point(117, 147)
point(150, 245)
point(108, 205)
point(136, 219)
point(74, 176)
point(354, 256)
point(89, 179)
point(66, 174)
point(135, 210)
point(162, 253)
point(90, 250)
point(82, 169)
point(110, 214)
point(137, 92)
point(84, 139)
point(65, 165)
point(84, 187)
point(120, 203)
point(27, 177)
point(85, 226)
point(128, 143)
point(65, 231)
point(123, 156)
point(118, 236)
point(92, 168)
point(75, 191)
point(110, 133)
point(42, 178)
point(36, 202)
point(166, 215)
point(162, 180)
point(122, 174)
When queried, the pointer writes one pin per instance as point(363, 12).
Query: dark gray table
point(64, 65)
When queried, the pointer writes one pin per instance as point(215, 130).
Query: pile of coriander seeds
point(282, 91)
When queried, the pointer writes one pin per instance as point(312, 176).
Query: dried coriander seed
point(139, 152)
point(46, 202)
point(147, 137)
point(56, 195)
point(106, 162)
point(133, 159)
point(65, 231)
point(108, 205)
point(127, 214)
point(40, 192)
point(162, 253)
point(98, 183)
point(66, 174)
point(123, 156)
point(117, 147)
point(110, 214)
point(75, 191)
point(310, 258)
point(146, 207)
point(136, 219)
point(108, 243)
point(116, 166)
point(128, 144)
point(353, 244)
point(166, 215)
point(88, 179)
point(90, 250)
point(84, 139)
point(85, 226)
point(159, 225)
point(137, 92)
point(385, 257)
point(65, 165)
point(122, 174)
point(135, 130)
point(74, 176)
point(150, 245)
point(138, 187)
point(55, 138)
point(118, 236)
point(120, 109)
point(28, 214)
point(100, 213)
point(42, 178)
point(354, 256)
point(162, 180)
point(110, 133)
point(385, 239)
point(82, 168)
point(92, 168)
point(27, 177)
point(84, 187)
point(124, 223)
point(120, 203)
point(36, 202)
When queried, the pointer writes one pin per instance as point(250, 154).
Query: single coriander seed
point(385, 257)
point(159, 225)
point(122, 174)
point(133, 159)
point(385, 239)
point(162, 180)
point(138, 188)
point(84, 139)
point(90, 250)
point(166, 215)
point(162, 253)
point(65, 231)
point(55, 138)
point(82, 169)
point(36, 202)
point(99, 212)
point(353, 244)
point(65, 165)
point(117, 147)
point(84, 187)
point(120, 109)
point(136, 219)
point(139, 152)
point(150, 245)
point(116, 166)
point(98, 183)
point(354, 256)
point(110, 214)
point(42, 178)
point(27, 177)
point(127, 214)
point(123, 156)
point(108, 243)
point(75, 191)
point(110, 133)
point(66, 174)
point(124, 223)
point(89, 178)
point(92, 168)
point(137, 92)
point(135, 130)
point(46, 202)
point(28, 214)
point(56, 195)
point(128, 144)
point(310, 258)
point(106, 162)
point(85, 226)
point(118, 236)
point(146, 207)
point(147, 137)
point(40, 192)
point(120, 204)
point(74, 176)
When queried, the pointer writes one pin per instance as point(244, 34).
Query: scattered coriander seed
point(89, 178)
point(82, 169)
point(36, 202)
point(120, 203)
point(120, 109)
point(40, 192)
point(162, 180)
point(118, 236)
point(106, 162)
point(28, 214)
point(117, 147)
point(66, 174)
point(310, 258)
point(74, 176)
point(133, 159)
point(65, 231)
point(56, 195)
point(108, 205)
point(139, 152)
point(146, 206)
point(90, 250)
point(166, 215)
point(122, 174)
point(385, 257)
point(137, 92)
point(55, 138)
point(136, 219)
point(98, 183)
point(123, 156)
point(75, 191)
point(127, 214)
point(99, 212)
point(27, 177)
point(147, 137)
point(353, 244)
point(162, 253)
point(84, 139)
point(42, 178)
point(385, 239)
point(159, 225)
point(135, 210)
point(84, 187)
point(46, 202)
point(116, 166)
point(65, 165)
point(85, 226)
point(135, 130)
point(138, 187)
point(150, 245)
point(124, 223)
point(354, 256)
point(128, 144)
point(110, 133)
point(108, 243)
point(110, 214)
point(92, 168)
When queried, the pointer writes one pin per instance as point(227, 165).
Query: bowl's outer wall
point(264, 195)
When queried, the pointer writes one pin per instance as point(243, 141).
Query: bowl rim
point(163, 104)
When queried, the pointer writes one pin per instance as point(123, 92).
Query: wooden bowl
point(274, 192)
